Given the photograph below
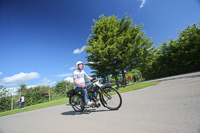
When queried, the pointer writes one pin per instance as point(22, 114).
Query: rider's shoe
point(89, 103)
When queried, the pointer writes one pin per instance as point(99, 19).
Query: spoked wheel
point(111, 99)
point(77, 103)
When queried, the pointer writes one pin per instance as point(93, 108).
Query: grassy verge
point(136, 86)
point(66, 100)
point(37, 106)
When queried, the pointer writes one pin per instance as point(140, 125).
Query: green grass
point(121, 89)
point(37, 106)
point(136, 86)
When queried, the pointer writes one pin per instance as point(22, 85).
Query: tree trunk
point(124, 77)
point(11, 102)
point(49, 95)
point(116, 79)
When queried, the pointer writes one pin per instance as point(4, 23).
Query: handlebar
point(93, 80)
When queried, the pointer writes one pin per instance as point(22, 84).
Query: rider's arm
point(88, 77)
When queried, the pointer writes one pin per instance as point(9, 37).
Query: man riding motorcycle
point(79, 81)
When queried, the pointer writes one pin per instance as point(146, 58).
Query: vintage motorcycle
point(108, 96)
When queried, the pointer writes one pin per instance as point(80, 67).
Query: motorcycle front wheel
point(111, 98)
point(77, 103)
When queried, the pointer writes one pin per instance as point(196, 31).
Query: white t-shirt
point(80, 76)
point(22, 100)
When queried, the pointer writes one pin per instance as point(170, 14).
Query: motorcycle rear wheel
point(77, 103)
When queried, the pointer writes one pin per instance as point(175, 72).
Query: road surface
point(172, 106)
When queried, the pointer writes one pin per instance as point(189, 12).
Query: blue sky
point(41, 40)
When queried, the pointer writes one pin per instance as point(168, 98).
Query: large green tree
point(116, 46)
point(102, 47)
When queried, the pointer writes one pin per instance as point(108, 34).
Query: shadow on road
point(86, 111)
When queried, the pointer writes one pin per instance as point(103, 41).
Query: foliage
point(178, 56)
point(33, 95)
point(61, 86)
point(115, 46)
point(22, 89)
point(136, 75)
point(5, 99)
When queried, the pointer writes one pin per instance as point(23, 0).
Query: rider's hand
point(83, 86)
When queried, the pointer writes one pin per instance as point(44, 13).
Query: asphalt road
point(172, 106)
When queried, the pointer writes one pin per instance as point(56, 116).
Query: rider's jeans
point(19, 105)
point(84, 93)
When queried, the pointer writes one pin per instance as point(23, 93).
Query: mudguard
point(70, 93)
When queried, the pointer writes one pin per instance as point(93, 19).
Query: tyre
point(111, 99)
point(77, 103)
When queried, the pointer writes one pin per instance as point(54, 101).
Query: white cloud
point(19, 78)
point(65, 75)
point(72, 68)
point(13, 90)
point(78, 51)
point(32, 86)
point(70, 79)
point(52, 83)
point(45, 81)
point(1, 73)
point(143, 2)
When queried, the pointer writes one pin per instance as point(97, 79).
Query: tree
point(134, 46)
point(115, 46)
point(61, 86)
point(102, 47)
point(5, 99)
point(188, 47)
point(178, 56)
point(22, 89)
